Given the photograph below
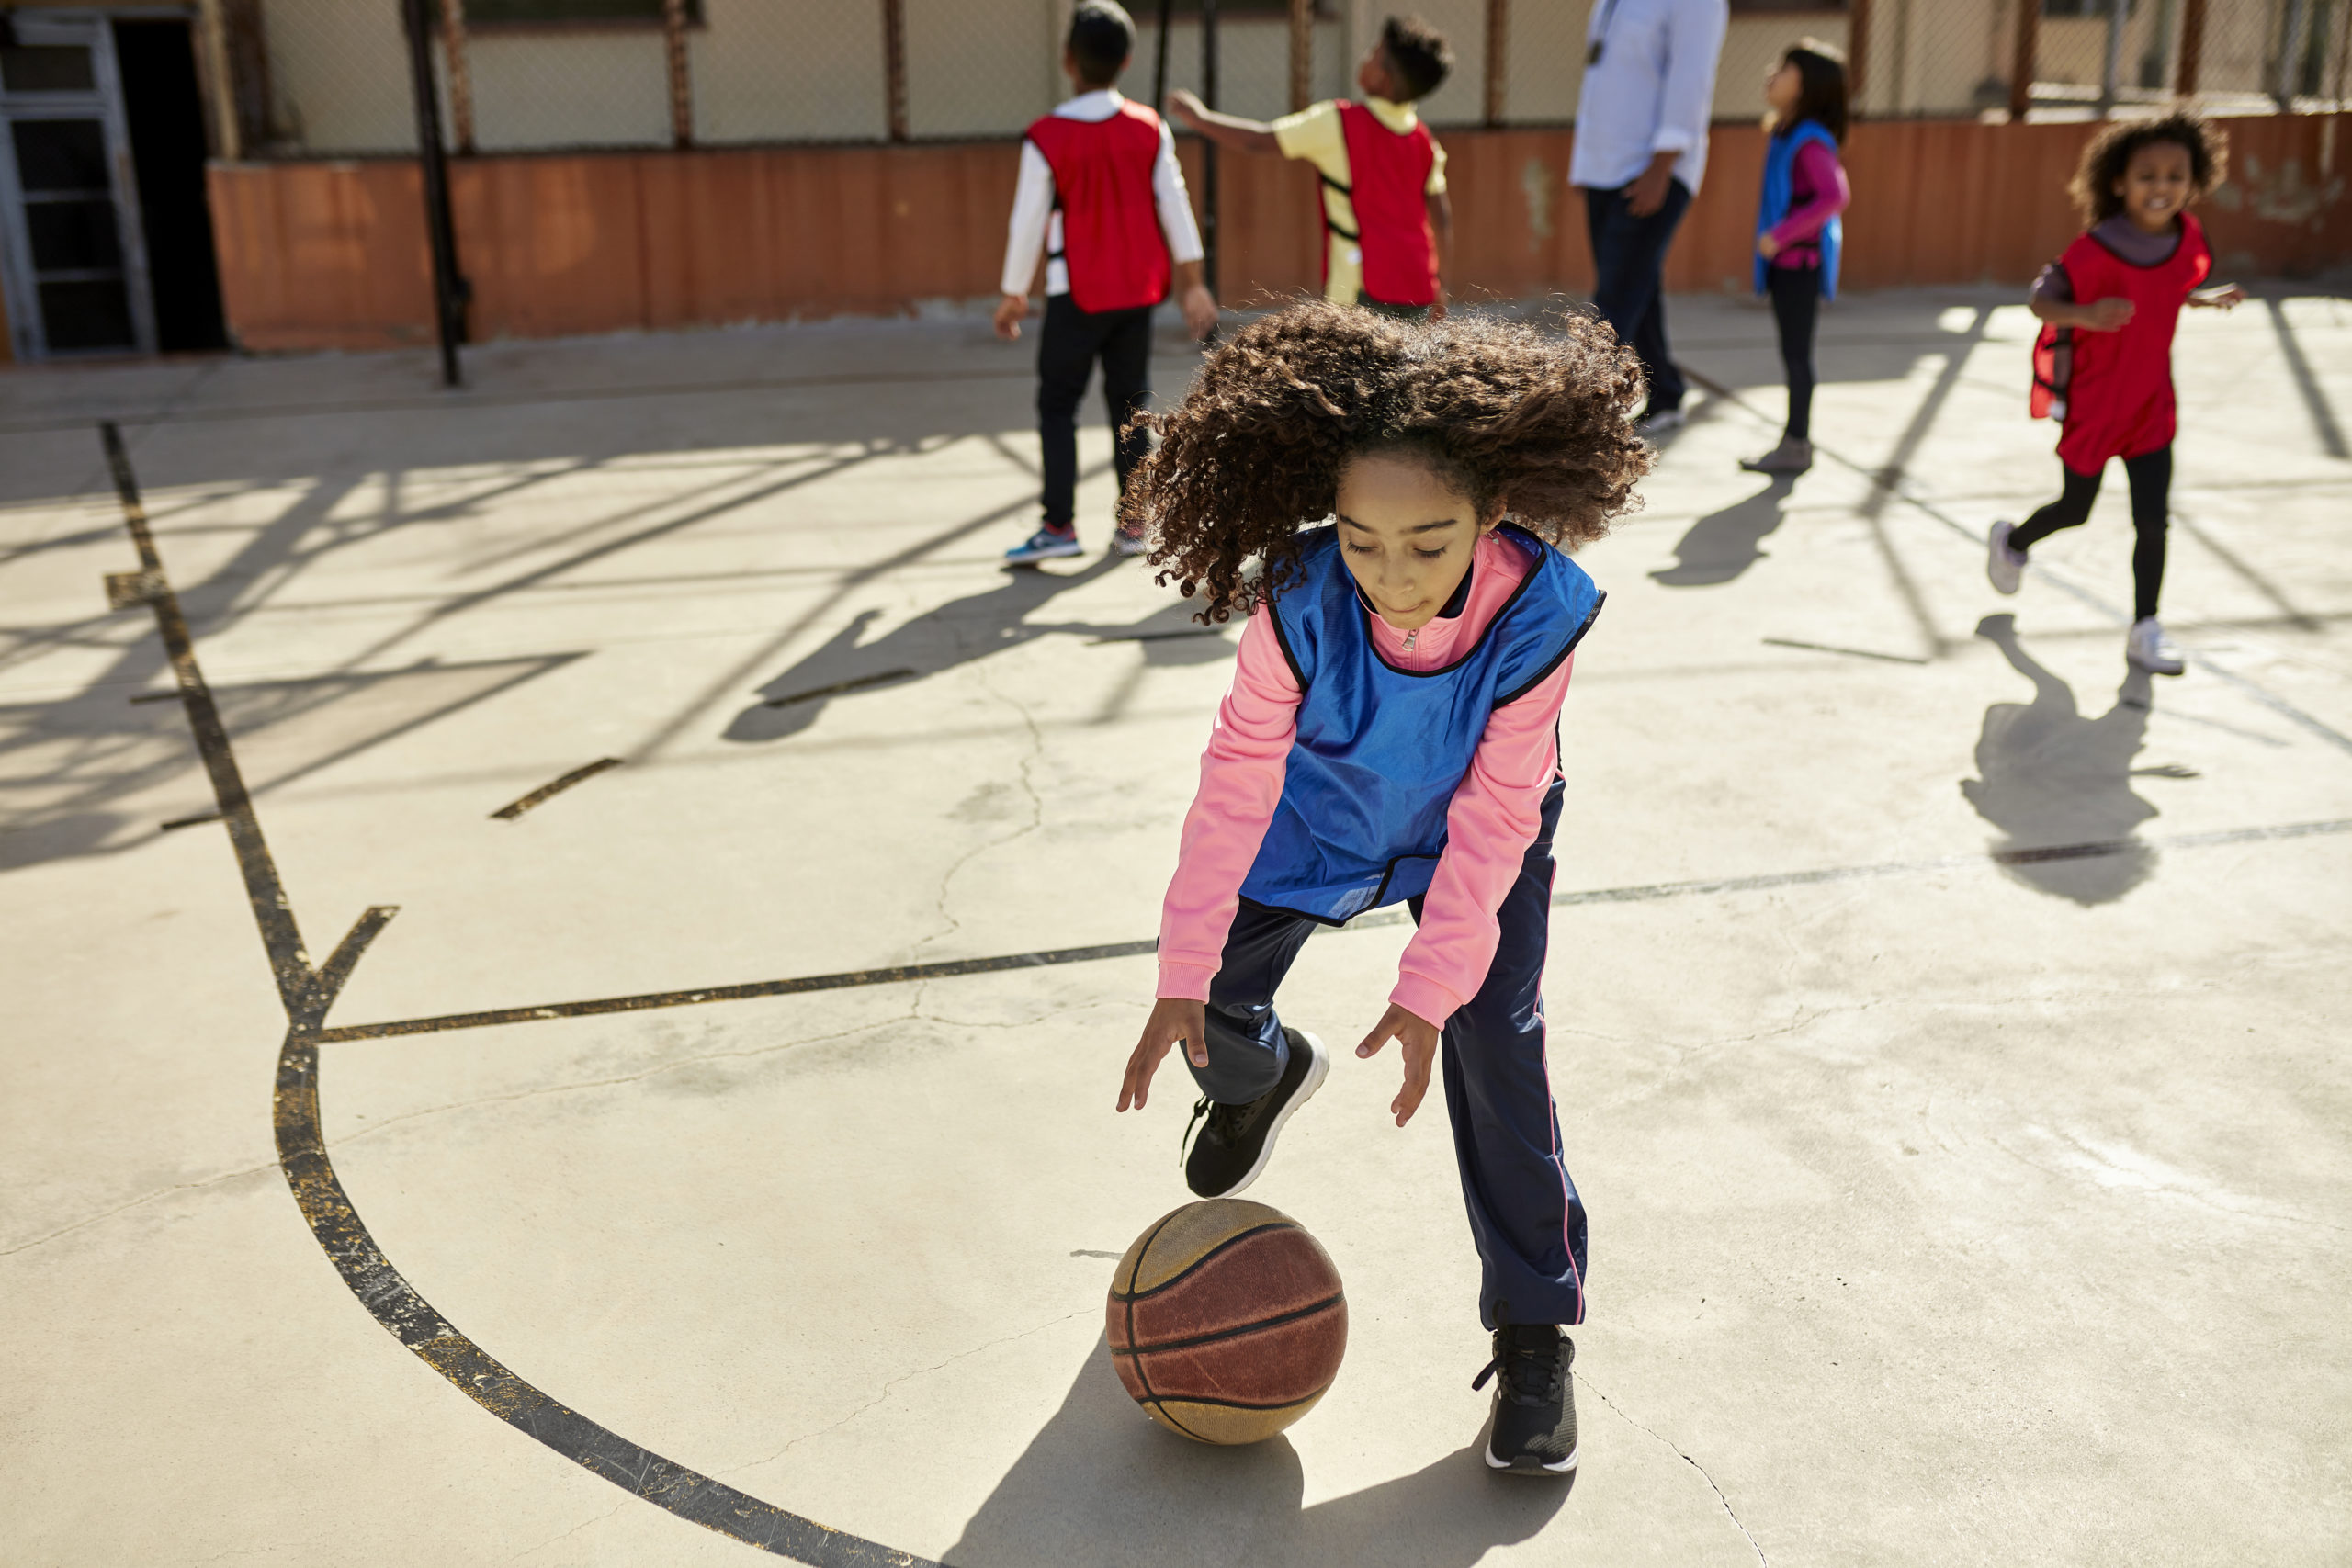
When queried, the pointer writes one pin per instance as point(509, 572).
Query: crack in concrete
point(884, 1392)
point(133, 1203)
point(577, 1083)
point(1729, 1511)
point(576, 1529)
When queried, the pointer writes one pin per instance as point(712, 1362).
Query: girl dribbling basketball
point(1392, 735)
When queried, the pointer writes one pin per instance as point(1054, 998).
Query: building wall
point(332, 255)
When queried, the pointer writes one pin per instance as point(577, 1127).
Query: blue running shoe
point(1046, 543)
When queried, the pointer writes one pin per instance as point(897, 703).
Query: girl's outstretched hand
point(1420, 1037)
point(2220, 296)
point(1173, 1020)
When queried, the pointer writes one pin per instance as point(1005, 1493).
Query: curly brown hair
point(2109, 154)
point(1532, 421)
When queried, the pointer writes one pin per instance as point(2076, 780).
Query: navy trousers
point(1525, 1217)
point(1629, 280)
point(1068, 346)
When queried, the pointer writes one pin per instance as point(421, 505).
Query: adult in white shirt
point(1122, 266)
point(1641, 147)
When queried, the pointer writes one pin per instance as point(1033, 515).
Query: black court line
point(1849, 652)
point(1891, 481)
point(1155, 637)
point(305, 994)
point(850, 980)
point(198, 821)
point(514, 809)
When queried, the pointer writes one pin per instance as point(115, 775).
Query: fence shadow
point(2048, 776)
point(1100, 1484)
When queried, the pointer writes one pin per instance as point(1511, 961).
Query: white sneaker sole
point(1563, 1468)
point(2155, 666)
point(1317, 1070)
point(2005, 580)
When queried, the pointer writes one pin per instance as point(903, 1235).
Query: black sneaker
point(1237, 1141)
point(1535, 1401)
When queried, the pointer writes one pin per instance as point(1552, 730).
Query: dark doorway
point(157, 62)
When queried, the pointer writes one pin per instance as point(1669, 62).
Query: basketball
point(1227, 1321)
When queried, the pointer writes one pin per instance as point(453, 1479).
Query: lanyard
point(1608, 15)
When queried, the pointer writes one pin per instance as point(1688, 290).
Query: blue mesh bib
point(1380, 750)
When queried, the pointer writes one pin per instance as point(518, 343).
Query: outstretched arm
point(1225, 129)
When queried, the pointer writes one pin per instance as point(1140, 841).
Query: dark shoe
point(1237, 1141)
point(1535, 1401)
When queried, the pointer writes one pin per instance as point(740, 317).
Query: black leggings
point(1796, 302)
point(2150, 475)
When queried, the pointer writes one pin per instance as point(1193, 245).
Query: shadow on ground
point(1100, 1484)
point(2048, 776)
point(959, 632)
point(1721, 545)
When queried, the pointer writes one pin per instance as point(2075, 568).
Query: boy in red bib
point(2103, 364)
point(1387, 220)
point(1101, 196)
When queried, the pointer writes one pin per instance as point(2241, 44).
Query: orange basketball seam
point(1134, 1349)
point(1197, 1264)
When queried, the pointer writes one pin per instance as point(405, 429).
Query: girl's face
point(1783, 88)
point(2156, 185)
point(1407, 534)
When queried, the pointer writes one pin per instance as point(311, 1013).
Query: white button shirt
point(1652, 91)
point(1037, 224)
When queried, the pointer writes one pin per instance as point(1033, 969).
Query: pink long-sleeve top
point(1495, 814)
point(1817, 192)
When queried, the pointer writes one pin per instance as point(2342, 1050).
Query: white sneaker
point(2002, 564)
point(2152, 650)
point(1125, 543)
point(1661, 421)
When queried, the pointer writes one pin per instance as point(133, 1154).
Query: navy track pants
point(1525, 1217)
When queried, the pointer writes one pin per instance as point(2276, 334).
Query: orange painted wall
point(332, 255)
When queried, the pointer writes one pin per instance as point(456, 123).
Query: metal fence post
point(448, 287)
point(1301, 52)
point(2192, 48)
point(894, 65)
point(2110, 71)
point(462, 79)
point(1208, 148)
point(1858, 55)
point(682, 91)
point(2022, 61)
point(1159, 60)
point(2291, 49)
point(1497, 58)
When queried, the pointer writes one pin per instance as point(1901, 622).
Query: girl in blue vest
point(1382, 500)
point(1798, 232)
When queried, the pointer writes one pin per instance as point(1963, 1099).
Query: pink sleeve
point(1494, 816)
point(1241, 780)
point(1827, 175)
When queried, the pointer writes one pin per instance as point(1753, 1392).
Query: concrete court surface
point(1951, 1204)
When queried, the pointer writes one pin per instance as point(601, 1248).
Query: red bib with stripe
point(2119, 392)
point(1388, 175)
point(1112, 245)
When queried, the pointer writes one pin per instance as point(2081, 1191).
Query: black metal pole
point(448, 287)
point(1159, 60)
point(1208, 148)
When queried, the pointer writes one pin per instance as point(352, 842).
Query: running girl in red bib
point(1387, 502)
point(2103, 364)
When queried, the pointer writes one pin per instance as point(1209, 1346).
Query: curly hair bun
point(1532, 421)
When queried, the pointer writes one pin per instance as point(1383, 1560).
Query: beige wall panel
point(338, 75)
point(536, 89)
point(981, 67)
point(788, 71)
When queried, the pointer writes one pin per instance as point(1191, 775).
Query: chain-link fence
point(526, 76)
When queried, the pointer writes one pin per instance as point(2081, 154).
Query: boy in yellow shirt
point(1387, 222)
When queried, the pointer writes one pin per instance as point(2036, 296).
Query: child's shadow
point(1100, 1484)
point(2049, 779)
point(956, 633)
point(1721, 545)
